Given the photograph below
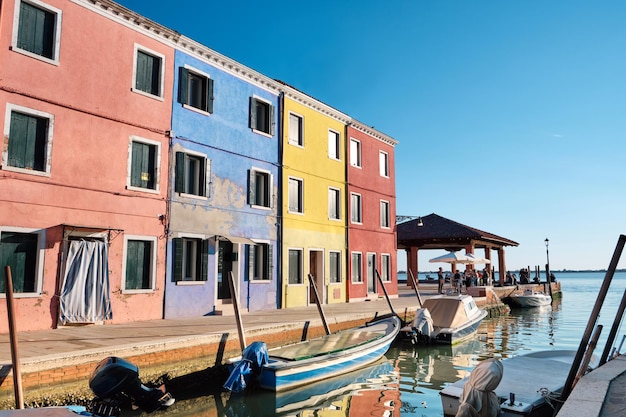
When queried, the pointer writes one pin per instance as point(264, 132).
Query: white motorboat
point(528, 385)
point(531, 298)
point(447, 319)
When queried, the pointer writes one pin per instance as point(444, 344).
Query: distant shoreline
point(553, 270)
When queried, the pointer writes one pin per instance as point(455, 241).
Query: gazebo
point(436, 232)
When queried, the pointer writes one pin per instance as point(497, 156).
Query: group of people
point(469, 278)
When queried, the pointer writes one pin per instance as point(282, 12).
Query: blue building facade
point(224, 173)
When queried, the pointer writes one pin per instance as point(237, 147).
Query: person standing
point(441, 280)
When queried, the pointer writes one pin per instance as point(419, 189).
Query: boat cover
point(446, 312)
point(479, 398)
point(423, 322)
point(253, 358)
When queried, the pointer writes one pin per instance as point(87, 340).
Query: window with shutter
point(139, 260)
point(195, 90)
point(148, 72)
point(261, 116)
point(144, 159)
point(38, 31)
point(20, 251)
point(29, 141)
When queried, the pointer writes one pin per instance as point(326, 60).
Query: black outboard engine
point(114, 377)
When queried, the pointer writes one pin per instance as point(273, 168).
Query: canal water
point(407, 381)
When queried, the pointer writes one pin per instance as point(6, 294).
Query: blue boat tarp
point(252, 360)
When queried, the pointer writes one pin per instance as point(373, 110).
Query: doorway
point(224, 268)
point(371, 273)
point(316, 269)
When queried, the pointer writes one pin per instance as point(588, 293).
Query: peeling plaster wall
point(226, 139)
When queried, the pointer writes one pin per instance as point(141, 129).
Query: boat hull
point(461, 334)
point(281, 375)
point(529, 301)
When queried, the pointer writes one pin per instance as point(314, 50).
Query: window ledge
point(143, 190)
point(260, 281)
point(195, 109)
point(131, 292)
point(262, 133)
point(25, 171)
point(186, 283)
point(145, 94)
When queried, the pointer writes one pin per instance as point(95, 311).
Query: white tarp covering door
point(85, 291)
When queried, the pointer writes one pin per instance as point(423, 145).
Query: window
point(355, 153)
point(260, 188)
point(260, 262)
point(296, 132)
point(144, 161)
point(356, 214)
point(385, 268)
point(357, 267)
point(190, 259)
point(333, 145)
point(296, 204)
point(384, 214)
point(335, 267)
point(22, 251)
point(37, 30)
point(195, 90)
point(140, 264)
point(295, 266)
point(148, 76)
point(383, 162)
point(334, 204)
point(29, 137)
point(261, 116)
point(193, 173)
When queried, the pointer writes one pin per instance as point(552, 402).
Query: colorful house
point(313, 206)
point(372, 207)
point(223, 186)
point(84, 162)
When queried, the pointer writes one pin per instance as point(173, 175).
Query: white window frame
point(385, 221)
point(153, 263)
point(57, 30)
point(269, 189)
point(41, 252)
point(7, 129)
point(300, 182)
point(198, 73)
point(352, 269)
point(300, 266)
point(385, 269)
point(334, 194)
point(207, 175)
point(356, 160)
point(270, 117)
point(330, 264)
point(266, 244)
point(383, 162)
point(334, 145)
point(157, 164)
point(359, 208)
point(139, 48)
point(299, 140)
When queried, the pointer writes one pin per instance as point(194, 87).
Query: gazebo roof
point(440, 233)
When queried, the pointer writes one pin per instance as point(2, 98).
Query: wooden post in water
point(319, 304)
point(417, 292)
point(15, 357)
point(608, 277)
point(614, 329)
point(588, 354)
point(233, 296)
point(382, 284)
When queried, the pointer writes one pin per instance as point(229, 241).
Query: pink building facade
point(85, 100)
point(372, 211)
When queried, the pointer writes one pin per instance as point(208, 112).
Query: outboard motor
point(421, 329)
point(115, 377)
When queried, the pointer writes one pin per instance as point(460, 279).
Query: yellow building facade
point(314, 201)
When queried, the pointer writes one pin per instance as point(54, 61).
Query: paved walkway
point(49, 349)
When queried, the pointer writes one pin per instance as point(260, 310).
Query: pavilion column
point(469, 249)
point(501, 266)
point(411, 263)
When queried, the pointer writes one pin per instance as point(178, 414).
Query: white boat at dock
point(529, 384)
point(447, 319)
point(531, 298)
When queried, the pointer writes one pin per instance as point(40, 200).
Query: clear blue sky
point(511, 115)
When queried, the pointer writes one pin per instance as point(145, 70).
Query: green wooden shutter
point(271, 120)
point(208, 183)
point(179, 180)
point(252, 112)
point(183, 78)
point(36, 31)
point(177, 248)
point(27, 142)
point(155, 75)
point(251, 187)
point(251, 257)
point(141, 75)
point(270, 262)
point(210, 96)
point(204, 267)
point(133, 265)
point(270, 191)
point(19, 252)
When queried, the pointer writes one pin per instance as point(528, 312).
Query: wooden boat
point(522, 391)
point(447, 319)
point(303, 363)
point(531, 298)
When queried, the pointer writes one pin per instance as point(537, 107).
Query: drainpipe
point(279, 204)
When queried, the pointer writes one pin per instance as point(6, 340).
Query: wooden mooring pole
point(233, 296)
point(382, 284)
point(319, 303)
point(417, 291)
point(15, 357)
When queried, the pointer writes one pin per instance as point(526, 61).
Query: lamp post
point(548, 280)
